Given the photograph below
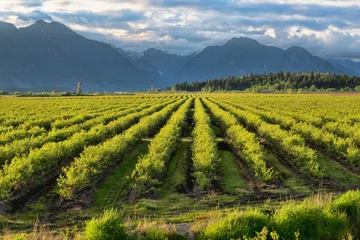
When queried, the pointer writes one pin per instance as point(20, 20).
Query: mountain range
point(45, 55)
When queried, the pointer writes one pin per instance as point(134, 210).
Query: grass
point(175, 178)
point(349, 203)
point(235, 225)
point(232, 179)
point(333, 169)
point(115, 188)
point(317, 217)
point(108, 226)
point(310, 219)
point(290, 179)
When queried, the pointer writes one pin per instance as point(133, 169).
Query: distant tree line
point(275, 82)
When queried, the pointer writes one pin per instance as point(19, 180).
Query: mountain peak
point(7, 26)
point(40, 22)
point(241, 41)
point(52, 27)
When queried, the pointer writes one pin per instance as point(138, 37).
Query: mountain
point(45, 55)
point(346, 65)
point(52, 55)
point(242, 56)
point(160, 65)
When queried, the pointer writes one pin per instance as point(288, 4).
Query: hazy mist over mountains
point(52, 55)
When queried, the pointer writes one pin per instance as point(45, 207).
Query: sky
point(329, 28)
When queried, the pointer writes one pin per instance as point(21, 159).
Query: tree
point(313, 88)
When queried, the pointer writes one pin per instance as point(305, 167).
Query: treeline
point(275, 83)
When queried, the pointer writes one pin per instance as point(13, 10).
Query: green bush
point(349, 203)
point(106, 227)
point(236, 225)
point(205, 154)
point(311, 220)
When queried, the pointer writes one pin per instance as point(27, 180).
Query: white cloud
point(270, 32)
point(324, 27)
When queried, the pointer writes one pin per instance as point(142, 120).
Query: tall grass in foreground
point(310, 219)
point(108, 226)
point(349, 204)
point(236, 225)
point(316, 218)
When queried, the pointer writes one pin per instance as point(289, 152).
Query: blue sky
point(329, 28)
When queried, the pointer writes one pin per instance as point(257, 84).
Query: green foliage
point(244, 141)
point(274, 82)
point(236, 225)
point(349, 203)
point(94, 160)
point(344, 147)
point(311, 220)
point(205, 155)
point(30, 169)
point(61, 129)
point(293, 144)
point(108, 226)
point(150, 168)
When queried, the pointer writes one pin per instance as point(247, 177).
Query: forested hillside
point(275, 82)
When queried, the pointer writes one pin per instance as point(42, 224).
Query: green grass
point(289, 178)
point(349, 203)
point(175, 178)
point(333, 169)
point(178, 208)
point(115, 188)
point(108, 226)
point(236, 225)
point(231, 177)
point(311, 219)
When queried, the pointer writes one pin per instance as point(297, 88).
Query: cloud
point(108, 19)
point(34, 16)
point(324, 27)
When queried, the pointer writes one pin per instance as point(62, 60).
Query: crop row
point(45, 111)
point(204, 148)
point(32, 169)
point(150, 167)
point(48, 121)
point(292, 143)
point(244, 141)
point(342, 127)
point(344, 147)
point(87, 169)
point(21, 146)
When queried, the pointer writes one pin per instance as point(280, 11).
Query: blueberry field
point(180, 166)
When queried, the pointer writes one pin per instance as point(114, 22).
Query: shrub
point(106, 227)
point(236, 225)
point(349, 203)
point(311, 220)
